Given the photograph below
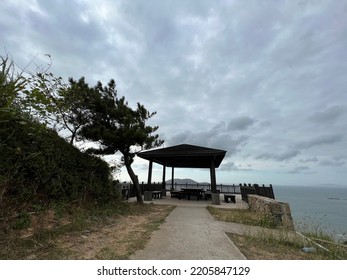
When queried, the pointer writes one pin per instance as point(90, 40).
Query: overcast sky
point(264, 80)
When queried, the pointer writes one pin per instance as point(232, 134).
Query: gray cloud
point(299, 169)
point(263, 80)
point(231, 166)
point(325, 139)
point(217, 136)
point(328, 115)
point(305, 160)
point(332, 162)
point(279, 156)
point(240, 123)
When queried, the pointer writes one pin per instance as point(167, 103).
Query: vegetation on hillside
point(54, 196)
point(96, 231)
point(36, 163)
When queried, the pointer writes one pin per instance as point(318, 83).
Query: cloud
point(299, 169)
point(312, 159)
point(218, 136)
point(264, 80)
point(325, 139)
point(240, 123)
point(332, 162)
point(279, 156)
point(328, 115)
point(231, 166)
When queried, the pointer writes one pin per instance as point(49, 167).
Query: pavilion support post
point(172, 177)
point(148, 193)
point(150, 168)
point(213, 177)
point(215, 196)
point(164, 181)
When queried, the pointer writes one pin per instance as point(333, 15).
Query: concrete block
point(147, 196)
point(215, 198)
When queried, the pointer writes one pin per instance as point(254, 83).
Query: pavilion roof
point(185, 155)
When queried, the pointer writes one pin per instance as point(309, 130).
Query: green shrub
point(35, 162)
point(267, 221)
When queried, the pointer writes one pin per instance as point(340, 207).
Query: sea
point(317, 208)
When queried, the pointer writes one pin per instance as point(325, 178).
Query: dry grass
point(257, 248)
point(117, 231)
point(241, 216)
point(276, 244)
point(100, 233)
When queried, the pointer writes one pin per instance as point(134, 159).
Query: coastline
point(317, 208)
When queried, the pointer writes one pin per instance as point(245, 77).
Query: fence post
point(272, 192)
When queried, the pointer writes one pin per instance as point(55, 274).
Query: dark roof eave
point(185, 156)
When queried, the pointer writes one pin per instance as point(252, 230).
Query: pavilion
point(184, 156)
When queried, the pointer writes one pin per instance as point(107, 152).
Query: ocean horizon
point(317, 208)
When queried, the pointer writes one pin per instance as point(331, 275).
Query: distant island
point(181, 181)
point(185, 181)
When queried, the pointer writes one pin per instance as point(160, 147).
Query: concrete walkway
point(191, 233)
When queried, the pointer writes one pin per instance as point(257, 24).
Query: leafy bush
point(35, 162)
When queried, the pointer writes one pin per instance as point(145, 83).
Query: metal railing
point(243, 189)
point(235, 189)
point(256, 189)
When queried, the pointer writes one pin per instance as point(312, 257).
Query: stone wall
point(280, 211)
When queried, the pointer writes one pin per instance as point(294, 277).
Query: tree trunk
point(133, 177)
point(72, 137)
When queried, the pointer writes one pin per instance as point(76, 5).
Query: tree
point(57, 104)
point(117, 127)
point(52, 102)
point(72, 113)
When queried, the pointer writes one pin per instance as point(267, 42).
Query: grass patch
point(270, 243)
point(242, 216)
point(269, 247)
point(22, 221)
point(258, 248)
point(105, 231)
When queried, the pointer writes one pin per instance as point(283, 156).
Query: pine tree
point(117, 127)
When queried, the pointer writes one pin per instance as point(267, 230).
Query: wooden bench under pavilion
point(229, 198)
point(157, 194)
